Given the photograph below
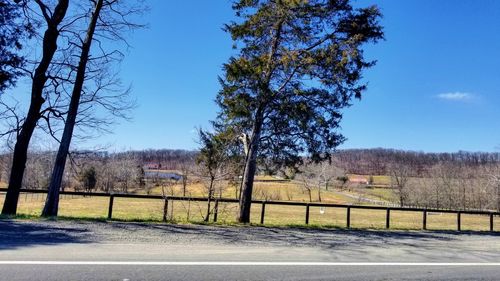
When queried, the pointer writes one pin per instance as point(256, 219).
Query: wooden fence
point(264, 203)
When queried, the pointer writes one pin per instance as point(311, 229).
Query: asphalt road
point(134, 251)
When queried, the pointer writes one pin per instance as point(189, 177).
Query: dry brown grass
point(263, 190)
point(152, 210)
point(71, 206)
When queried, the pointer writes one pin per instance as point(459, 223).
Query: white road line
point(249, 263)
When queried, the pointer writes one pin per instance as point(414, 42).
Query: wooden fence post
point(424, 227)
point(165, 209)
point(216, 210)
point(36, 194)
point(491, 223)
point(307, 214)
point(348, 217)
point(262, 212)
point(388, 218)
point(110, 207)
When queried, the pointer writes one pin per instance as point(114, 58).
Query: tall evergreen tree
point(299, 63)
point(12, 31)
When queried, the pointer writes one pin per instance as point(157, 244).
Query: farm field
point(385, 194)
point(264, 189)
point(193, 212)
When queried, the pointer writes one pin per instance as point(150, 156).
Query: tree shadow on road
point(420, 245)
point(17, 234)
point(299, 236)
point(375, 245)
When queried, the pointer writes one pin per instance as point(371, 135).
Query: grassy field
point(151, 210)
point(386, 194)
point(263, 190)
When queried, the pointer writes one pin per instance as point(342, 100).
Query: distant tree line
point(444, 180)
point(118, 172)
point(379, 161)
point(169, 159)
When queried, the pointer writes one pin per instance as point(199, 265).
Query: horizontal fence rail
point(263, 203)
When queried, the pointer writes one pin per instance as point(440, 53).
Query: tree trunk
point(249, 174)
point(498, 197)
point(437, 198)
point(23, 139)
point(184, 185)
point(251, 149)
point(19, 161)
point(464, 198)
point(401, 198)
point(210, 194)
point(52, 202)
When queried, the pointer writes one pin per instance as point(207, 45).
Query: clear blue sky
point(436, 86)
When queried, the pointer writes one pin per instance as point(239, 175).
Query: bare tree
point(400, 174)
point(213, 155)
point(307, 185)
point(37, 169)
point(494, 181)
point(52, 203)
point(167, 189)
point(318, 176)
point(186, 168)
point(108, 24)
point(53, 18)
